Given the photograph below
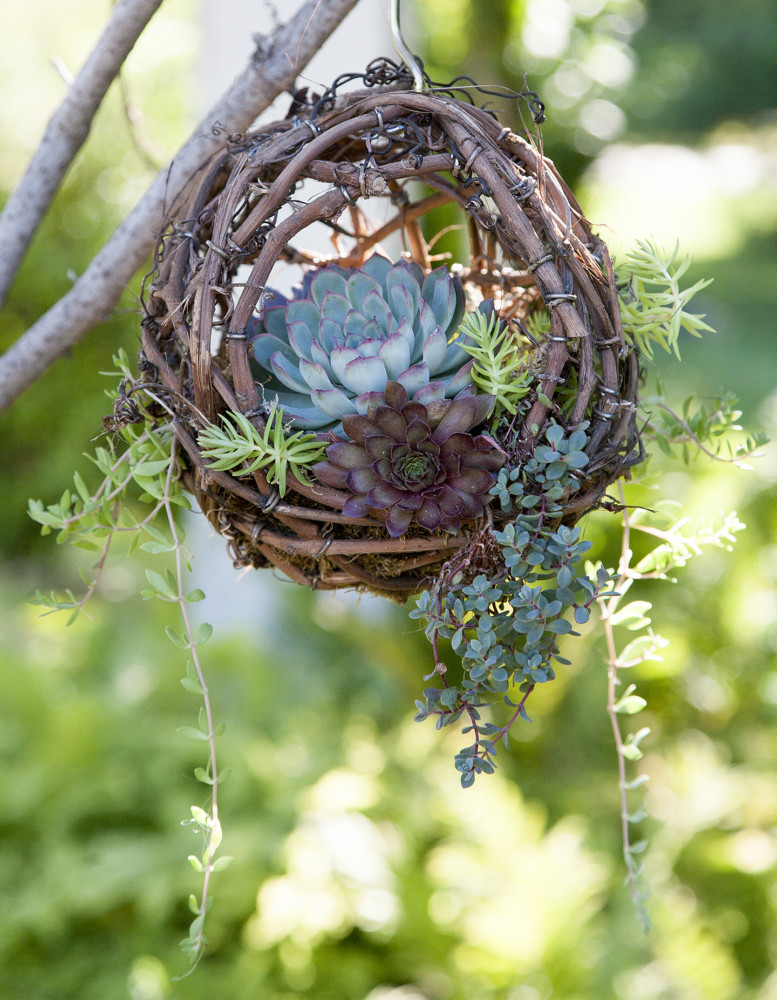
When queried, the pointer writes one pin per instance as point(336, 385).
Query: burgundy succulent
point(415, 461)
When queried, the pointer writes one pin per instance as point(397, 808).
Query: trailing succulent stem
point(145, 454)
point(505, 623)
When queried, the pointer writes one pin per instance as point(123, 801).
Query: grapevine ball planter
point(213, 308)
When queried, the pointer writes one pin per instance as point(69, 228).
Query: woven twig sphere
point(248, 212)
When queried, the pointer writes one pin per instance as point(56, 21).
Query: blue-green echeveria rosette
point(330, 349)
point(420, 464)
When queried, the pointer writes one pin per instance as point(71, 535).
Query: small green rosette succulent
point(331, 349)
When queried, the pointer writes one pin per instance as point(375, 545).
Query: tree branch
point(66, 132)
point(95, 293)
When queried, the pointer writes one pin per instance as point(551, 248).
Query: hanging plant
point(392, 424)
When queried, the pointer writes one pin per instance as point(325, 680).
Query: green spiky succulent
point(330, 349)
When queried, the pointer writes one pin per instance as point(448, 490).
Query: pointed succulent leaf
point(353, 324)
point(330, 334)
point(435, 348)
point(358, 286)
point(302, 411)
point(321, 357)
point(339, 358)
point(395, 355)
point(432, 391)
point(328, 279)
point(403, 294)
point(303, 311)
point(367, 401)
point(376, 308)
point(369, 348)
point(461, 380)
point(333, 401)
point(335, 307)
point(265, 345)
point(414, 378)
point(427, 321)
point(365, 375)
point(300, 339)
point(287, 372)
point(314, 374)
point(459, 418)
point(274, 319)
point(377, 267)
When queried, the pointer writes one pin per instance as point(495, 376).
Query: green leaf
point(203, 633)
point(630, 705)
point(160, 585)
point(190, 733)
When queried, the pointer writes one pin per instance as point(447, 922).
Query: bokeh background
point(362, 868)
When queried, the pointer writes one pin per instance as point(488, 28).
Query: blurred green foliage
point(363, 869)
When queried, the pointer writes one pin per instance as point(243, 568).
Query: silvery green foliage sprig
point(143, 453)
point(505, 625)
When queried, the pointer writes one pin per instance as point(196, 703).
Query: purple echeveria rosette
point(420, 464)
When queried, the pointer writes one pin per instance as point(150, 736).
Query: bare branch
point(272, 70)
point(66, 132)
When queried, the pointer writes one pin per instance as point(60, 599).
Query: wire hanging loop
point(407, 57)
